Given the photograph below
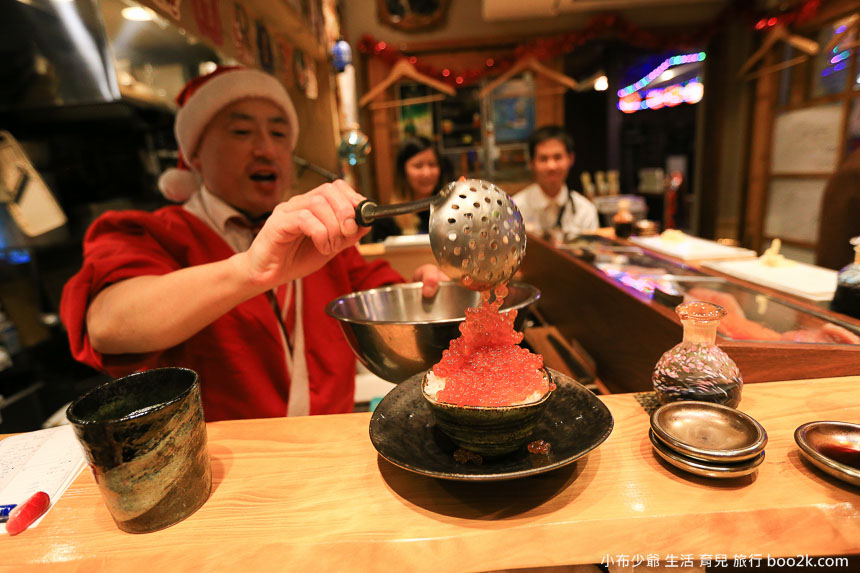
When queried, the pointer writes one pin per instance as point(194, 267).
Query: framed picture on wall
point(412, 15)
point(513, 111)
point(417, 118)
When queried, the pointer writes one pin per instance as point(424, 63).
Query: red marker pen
point(25, 514)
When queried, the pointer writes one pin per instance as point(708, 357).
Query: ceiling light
point(137, 14)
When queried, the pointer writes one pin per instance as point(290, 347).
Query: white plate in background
point(800, 279)
point(692, 248)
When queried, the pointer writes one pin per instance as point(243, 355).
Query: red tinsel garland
point(601, 26)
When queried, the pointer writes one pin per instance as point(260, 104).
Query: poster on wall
point(414, 119)
point(793, 208)
point(513, 111)
point(208, 19)
point(807, 140)
point(286, 70)
point(300, 70)
point(304, 70)
point(264, 48)
point(312, 90)
point(242, 35)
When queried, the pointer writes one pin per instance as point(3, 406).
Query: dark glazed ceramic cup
point(491, 431)
point(145, 439)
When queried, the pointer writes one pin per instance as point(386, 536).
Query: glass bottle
point(846, 299)
point(623, 220)
point(698, 369)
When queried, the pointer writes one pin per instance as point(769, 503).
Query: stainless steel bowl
point(397, 333)
point(833, 447)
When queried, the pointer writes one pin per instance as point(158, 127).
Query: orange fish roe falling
point(485, 366)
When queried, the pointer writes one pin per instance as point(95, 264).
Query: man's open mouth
point(263, 176)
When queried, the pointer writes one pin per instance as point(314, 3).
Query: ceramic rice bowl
point(490, 431)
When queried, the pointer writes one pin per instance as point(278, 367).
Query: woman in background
point(420, 171)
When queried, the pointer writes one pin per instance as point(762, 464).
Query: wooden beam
point(381, 122)
point(406, 101)
point(760, 148)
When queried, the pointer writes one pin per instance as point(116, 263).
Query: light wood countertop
point(311, 494)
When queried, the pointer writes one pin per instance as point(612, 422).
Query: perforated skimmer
point(476, 231)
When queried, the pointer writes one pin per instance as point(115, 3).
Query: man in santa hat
point(232, 283)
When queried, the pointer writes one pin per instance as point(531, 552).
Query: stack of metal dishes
point(707, 439)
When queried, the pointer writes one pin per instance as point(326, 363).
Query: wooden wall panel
point(549, 108)
point(762, 126)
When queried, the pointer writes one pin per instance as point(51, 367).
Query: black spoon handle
point(367, 211)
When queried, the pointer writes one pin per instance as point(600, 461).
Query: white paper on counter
point(45, 460)
point(800, 279)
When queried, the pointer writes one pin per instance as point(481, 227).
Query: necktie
point(281, 297)
point(244, 223)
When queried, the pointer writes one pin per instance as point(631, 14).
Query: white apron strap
point(300, 396)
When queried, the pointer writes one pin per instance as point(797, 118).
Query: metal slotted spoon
point(476, 231)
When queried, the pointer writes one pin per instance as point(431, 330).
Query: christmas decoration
point(354, 146)
point(656, 72)
point(610, 25)
point(341, 55)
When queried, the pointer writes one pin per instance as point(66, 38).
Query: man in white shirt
point(548, 204)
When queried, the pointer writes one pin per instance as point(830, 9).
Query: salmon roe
point(540, 447)
point(485, 366)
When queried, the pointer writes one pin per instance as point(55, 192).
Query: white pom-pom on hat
point(201, 99)
point(178, 185)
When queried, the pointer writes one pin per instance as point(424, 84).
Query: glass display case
point(751, 314)
point(616, 300)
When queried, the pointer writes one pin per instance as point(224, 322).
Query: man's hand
point(304, 233)
point(148, 313)
point(431, 276)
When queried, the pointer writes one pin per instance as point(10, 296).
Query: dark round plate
point(404, 432)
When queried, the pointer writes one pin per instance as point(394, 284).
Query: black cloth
point(840, 215)
point(387, 227)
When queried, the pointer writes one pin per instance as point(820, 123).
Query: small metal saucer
point(708, 432)
point(834, 447)
point(705, 469)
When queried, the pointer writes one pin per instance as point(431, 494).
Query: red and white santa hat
point(200, 100)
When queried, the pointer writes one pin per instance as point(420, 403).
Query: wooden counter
point(311, 494)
